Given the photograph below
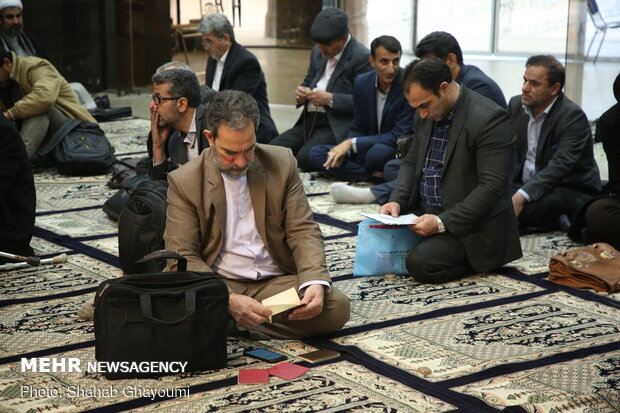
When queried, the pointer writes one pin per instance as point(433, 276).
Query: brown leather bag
point(595, 266)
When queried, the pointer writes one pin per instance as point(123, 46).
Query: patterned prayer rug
point(506, 339)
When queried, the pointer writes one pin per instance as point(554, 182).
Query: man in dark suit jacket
point(13, 37)
point(443, 46)
point(455, 178)
point(232, 67)
point(177, 121)
point(381, 115)
point(17, 193)
point(556, 172)
point(327, 90)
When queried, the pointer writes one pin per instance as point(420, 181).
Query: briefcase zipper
point(105, 287)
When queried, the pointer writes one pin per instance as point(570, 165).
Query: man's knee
point(427, 270)
point(33, 131)
point(318, 156)
point(378, 156)
point(338, 308)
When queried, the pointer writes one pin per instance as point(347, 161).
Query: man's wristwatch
point(440, 227)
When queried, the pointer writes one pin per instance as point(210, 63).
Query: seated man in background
point(455, 178)
point(13, 37)
point(326, 92)
point(17, 193)
point(600, 221)
point(381, 114)
point(37, 98)
point(178, 119)
point(556, 172)
point(206, 93)
point(240, 210)
point(445, 47)
point(232, 67)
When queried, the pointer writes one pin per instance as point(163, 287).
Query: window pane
point(469, 21)
point(394, 20)
point(533, 26)
point(610, 12)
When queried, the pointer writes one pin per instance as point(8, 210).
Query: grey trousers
point(36, 129)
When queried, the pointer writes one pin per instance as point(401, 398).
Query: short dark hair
point(617, 88)
point(440, 45)
point(428, 73)
point(183, 83)
point(5, 54)
point(555, 70)
point(390, 43)
point(234, 109)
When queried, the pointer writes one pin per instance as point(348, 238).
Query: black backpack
point(141, 227)
point(78, 148)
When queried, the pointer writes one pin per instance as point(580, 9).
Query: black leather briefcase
point(161, 317)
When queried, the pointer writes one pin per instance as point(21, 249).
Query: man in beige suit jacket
point(240, 210)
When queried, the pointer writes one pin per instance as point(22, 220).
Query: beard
point(12, 30)
point(168, 123)
point(232, 170)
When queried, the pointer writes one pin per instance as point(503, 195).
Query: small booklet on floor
point(390, 220)
point(285, 301)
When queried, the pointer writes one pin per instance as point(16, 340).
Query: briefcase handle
point(165, 254)
point(147, 308)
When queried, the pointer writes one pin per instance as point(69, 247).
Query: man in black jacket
point(177, 121)
point(232, 67)
point(12, 34)
point(326, 93)
point(17, 193)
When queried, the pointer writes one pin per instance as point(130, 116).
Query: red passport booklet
point(253, 376)
point(287, 371)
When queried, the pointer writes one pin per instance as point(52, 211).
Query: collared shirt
point(190, 140)
point(534, 127)
point(434, 164)
point(243, 254)
point(381, 99)
point(327, 74)
point(219, 68)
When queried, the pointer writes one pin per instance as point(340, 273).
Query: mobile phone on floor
point(265, 355)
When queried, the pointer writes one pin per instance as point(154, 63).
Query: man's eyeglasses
point(158, 99)
point(208, 42)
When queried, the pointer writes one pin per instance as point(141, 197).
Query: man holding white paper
point(240, 210)
point(455, 176)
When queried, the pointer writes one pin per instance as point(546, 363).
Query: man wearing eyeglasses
point(232, 67)
point(177, 121)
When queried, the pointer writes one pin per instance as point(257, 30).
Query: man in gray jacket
point(326, 92)
point(556, 172)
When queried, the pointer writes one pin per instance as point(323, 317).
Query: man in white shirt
point(240, 210)
point(326, 92)
point(381, 115)
point(177, 121)
point(556, 172)
point(232, 67)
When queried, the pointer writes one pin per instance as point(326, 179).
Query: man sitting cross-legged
point(240, 210)
point(381, 114)
point(556, 172)
point(455, 178)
